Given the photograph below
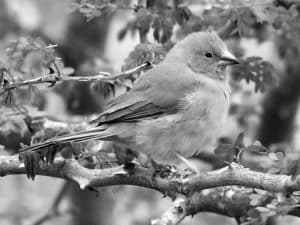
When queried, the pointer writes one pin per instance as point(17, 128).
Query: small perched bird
point(178, 106)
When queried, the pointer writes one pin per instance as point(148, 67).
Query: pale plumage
point(178, 106)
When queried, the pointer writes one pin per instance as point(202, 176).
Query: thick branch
point(232, 201)
point(237, 175)
point(230, 175)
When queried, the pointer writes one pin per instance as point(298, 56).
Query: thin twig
point(53, 78)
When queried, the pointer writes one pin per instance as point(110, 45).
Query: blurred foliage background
point(111, 36)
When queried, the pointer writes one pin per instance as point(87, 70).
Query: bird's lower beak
point(227, 59)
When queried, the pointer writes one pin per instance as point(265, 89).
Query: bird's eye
point(208, 55)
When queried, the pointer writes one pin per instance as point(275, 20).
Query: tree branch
point(143, 177)
point(231, 201)
point(174, 215)
point(238, 175)
point(53, 78)
point(190, 193)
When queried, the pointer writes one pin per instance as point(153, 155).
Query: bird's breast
point(194, 128)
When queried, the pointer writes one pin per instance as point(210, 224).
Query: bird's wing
point(154, 93)
point(128, 107)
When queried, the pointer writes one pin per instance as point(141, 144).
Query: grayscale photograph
point(149, 112)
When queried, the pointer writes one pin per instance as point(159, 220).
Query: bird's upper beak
point(227, 58)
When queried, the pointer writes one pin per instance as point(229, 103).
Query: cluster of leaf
point(13, 129)
point(266, 205)
point(161, 16)
point(233, 152)
point(33, 57)
point(280, 164)
point(263, 204)
point(96, 8)
point(257, 70)
point(147, 52)
point(28, 58)
point(32, 159)
point(151, 53)
point(247, 18)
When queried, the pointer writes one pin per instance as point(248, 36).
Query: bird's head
point(205, 53)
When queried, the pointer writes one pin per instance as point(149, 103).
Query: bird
point(176, 108)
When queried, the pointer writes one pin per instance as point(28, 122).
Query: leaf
point(257, 149)
point(163, 29)
point(293, 168)
point(227, 152)
point(9, 98)
point(31, 161)
point(182, 15)
point(271, 14)
point(32, 56)
point(279, 165)
point(147, 52)
point(255, 199)
point(245, 19)
point(50, 154)
point(105, 160)
point(257, 70)
point(239, 143)
point(276, 156)
point(103, 88)
point(263, 209)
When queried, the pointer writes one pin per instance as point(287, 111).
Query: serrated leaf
point(293, 168)
point(257, 149)
point(31, 161)
point(276, 156)
point(239, 143)
point(147, 52)
point(253, 213)
point(226, 152)
point(274, 170)
point(263, 209)
point(257, 70)
point(255, 199)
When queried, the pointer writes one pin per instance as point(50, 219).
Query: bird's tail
point(97, 133)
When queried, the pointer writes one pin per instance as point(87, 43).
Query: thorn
point(82, 182)
point(82, 186)
point(120, 170)
point(188, 163)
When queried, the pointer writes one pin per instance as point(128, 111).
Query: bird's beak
point(227, 58)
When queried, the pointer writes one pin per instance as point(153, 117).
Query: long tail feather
point(97, 133)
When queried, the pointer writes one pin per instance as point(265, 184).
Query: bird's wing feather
point(128, 107)
point(149, 97)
